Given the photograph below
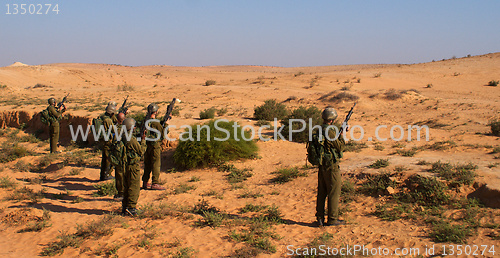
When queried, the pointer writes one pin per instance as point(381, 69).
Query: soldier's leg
point(56, 137)
point(147, 165)
point(321, 195)
point(105, 164)
point(119, 180)
point(53, 148)
point(335, 186)
point(156, 164)
point(126, 189)
point(135, 185)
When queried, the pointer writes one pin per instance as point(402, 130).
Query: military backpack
point(315, 150)
point(45, 117)
point(117, 155)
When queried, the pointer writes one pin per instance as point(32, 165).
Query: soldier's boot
point(335, 223)
point(321, 221)
point(105, 174)
point(157, 187)
point(146, 185)
point(130, 212)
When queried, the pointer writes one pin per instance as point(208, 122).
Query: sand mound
point(17, 64)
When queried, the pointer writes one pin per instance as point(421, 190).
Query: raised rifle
point(344, 125)
point(124, 108)
point(167, 116)
point(60, 104)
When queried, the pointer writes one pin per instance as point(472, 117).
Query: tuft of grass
point(284, 175)
point(270, 110)
point(208, 113)
point(39, 224)
point(10, 152)
point(248, 194)
point(57, 247)
point(6, 182)
point(344, 96)
point(183, 188)
point(211, 219)
point(380, 163)
point(125, 87)
point(22, 166)
point(493, 83)
point(443, 231)
point(98, 228)
point(204, 206)
point(354, 146)
point(252, 208)
point(257, 234)
point(456, 175)
point(443, 145)
point(495, 127)
point(184, 252)
point(160, 211)
point(194, 179)
point(106, 189)
point(25, 193)
point(377, 75)
point(407, 152)
point(390, 212)
point(235, 175)
point(376, 184)
point(210, 82)
point(392, 94)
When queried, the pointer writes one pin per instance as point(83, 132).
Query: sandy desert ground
point(451, 96)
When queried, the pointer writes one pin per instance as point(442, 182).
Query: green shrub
point(183, 188)
point(284, 175)
point(376, 184)
point(445, 232)
point(425, 191)
point(235, 175)
point(344, 96)
point(380, 163)
point(495, 127)
point(270, 110)
point(10, 152)
point(208, 113)
point(354, 146)
point(106, 189)
point(210, 82)
point(304, 114)
point(252, 208)
point(456, 175)
point(191, 153)
point(6, 182)
point(211, 219)
point(493, 83)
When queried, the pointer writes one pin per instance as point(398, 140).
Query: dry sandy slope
point(458, 99)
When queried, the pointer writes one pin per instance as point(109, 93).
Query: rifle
point(124, 108)
point(344, 124)
point(167, 116)
point(60, 104)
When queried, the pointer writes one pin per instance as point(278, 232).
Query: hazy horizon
point(263, 33)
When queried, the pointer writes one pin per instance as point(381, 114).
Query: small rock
point(390, 190)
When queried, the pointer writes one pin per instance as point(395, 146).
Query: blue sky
point(258, 32)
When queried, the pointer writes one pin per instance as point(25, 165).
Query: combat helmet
point(329, 114)
point(111, 109)
point(52, 101)
point(112, 103)
point(152, 108)
point(129, 123)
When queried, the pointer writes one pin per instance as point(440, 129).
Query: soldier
point(55, 114)
point(119, 170)
point(132, 179)
point(329, 179)
point(107, 121)
point(152, 157)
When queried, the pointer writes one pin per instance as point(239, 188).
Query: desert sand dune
point(450, 96)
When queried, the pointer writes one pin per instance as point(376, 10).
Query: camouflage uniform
point(329, 179)
point(55, 116)
point(132, 182)
point(152, 157)
point(107, 121)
